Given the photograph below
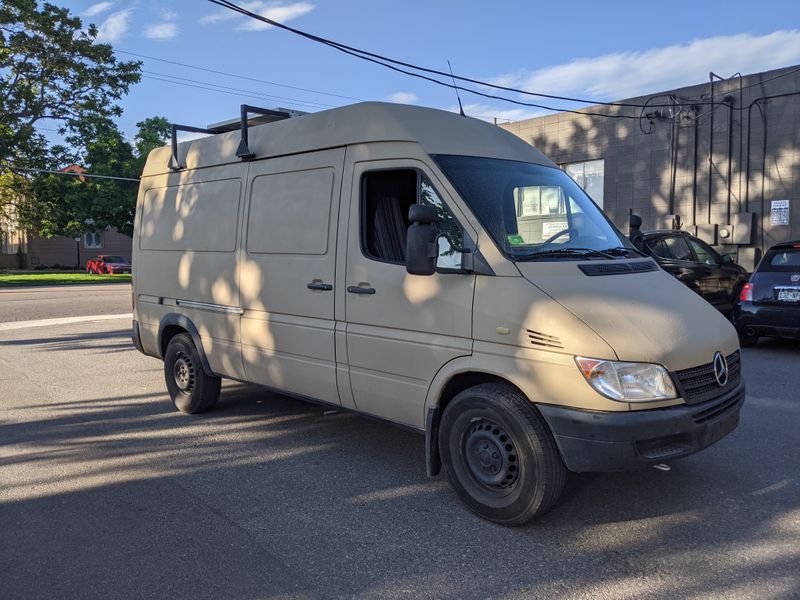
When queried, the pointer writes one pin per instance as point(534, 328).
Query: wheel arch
point(173, 324)
point(453, 378)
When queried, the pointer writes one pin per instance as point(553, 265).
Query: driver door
point(401, 328)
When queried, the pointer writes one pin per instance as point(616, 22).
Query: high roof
point(437, 131)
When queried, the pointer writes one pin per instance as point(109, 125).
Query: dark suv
point(714, 276)
point(769, 304)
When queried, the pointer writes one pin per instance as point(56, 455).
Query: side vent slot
point(542, 339)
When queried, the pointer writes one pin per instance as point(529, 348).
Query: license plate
point(788, 294)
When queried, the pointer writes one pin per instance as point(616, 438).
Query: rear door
point(401, 328)
point(288, 263)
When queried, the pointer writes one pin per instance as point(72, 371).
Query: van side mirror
point(635, 222)
point(421, 246)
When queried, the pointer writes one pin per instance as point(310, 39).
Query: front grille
point(698, 384)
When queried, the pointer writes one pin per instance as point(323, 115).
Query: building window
point(93, 239)
point(589, 175)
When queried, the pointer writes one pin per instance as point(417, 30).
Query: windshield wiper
point(622, 251)
point(568, 252)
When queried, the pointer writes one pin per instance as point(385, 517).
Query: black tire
point(191, 389)
point(499, 455)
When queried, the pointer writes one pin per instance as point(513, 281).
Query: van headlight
point(627, 381)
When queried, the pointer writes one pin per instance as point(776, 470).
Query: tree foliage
point(53, 70)
point(62, 205)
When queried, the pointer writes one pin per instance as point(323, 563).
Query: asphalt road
point(24, 304)
point(107, 492)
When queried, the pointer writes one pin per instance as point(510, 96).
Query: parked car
point(716, 277)
point(769, 304)
point(107, 264)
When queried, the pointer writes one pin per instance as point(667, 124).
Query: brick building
point(730, 175)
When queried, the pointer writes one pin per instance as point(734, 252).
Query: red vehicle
point(107, 264)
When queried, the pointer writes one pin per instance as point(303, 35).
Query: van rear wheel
point(499, 455)
point(191, 389)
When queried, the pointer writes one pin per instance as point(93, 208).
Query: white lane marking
point(8, 326)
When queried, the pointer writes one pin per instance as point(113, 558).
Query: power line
point(249, 92)
point(366, 55)
point(396, 64)
point(213, 89)
point(237, 76)
point(70, 174)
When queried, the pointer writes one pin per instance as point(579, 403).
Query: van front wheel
point(499, 455)
point(191, 389)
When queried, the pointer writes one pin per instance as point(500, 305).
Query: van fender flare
point(433, 413)
point(186, 323)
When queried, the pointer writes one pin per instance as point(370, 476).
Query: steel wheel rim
point(490, 455)
point(183, 371)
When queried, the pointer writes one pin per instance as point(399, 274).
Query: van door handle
point(325, 287)
point(356, 289)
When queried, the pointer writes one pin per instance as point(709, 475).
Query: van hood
point(644, 317)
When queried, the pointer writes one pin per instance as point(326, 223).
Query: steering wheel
point(552, 238)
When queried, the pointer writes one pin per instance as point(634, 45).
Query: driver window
point(704, 253)
point(386, 197)
point(679, 248)
point(451, 234)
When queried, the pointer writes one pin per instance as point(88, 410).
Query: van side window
point(386, 198)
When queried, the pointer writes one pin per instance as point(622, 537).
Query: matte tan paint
point(287, 328)
point(247, 238)
point(647, 317)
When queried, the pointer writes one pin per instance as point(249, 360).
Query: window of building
point(539, 200)
point(387, 196)
point(590, 176)
point(93, 239)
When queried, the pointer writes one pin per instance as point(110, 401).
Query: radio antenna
point(455, 87)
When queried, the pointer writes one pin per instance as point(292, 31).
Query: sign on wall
point(779, 212)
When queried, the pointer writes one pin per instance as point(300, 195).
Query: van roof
point(437, 131)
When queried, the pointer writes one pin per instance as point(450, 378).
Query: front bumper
point(606, 441)
point(773, 320)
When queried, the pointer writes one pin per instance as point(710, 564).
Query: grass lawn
point(11, 279)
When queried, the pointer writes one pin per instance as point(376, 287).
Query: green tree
point(51, 69)
point(61, 205)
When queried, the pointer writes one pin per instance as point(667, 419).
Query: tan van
point(434, 271)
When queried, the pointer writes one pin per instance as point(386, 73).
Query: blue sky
point(587, 49)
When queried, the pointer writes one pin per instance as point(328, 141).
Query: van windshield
point(533, 211)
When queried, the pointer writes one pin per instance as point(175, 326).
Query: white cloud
point(402, 98)
point(277, 11)
point(161, 31)
point(168, 14)
point(96, 9)
point(628, 74)
point(114, 27)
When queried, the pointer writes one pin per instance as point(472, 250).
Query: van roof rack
point(265, 115)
